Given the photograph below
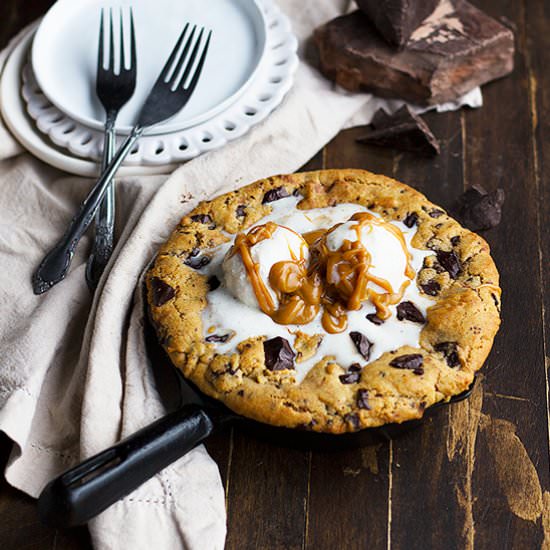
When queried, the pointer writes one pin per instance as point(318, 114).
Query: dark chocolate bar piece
point(397, 19)
point(444, 58)
point(404, 130)
point(478, 209)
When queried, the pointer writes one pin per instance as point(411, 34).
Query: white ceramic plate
point(272, 81)
point(64, 55)
point(14, 114)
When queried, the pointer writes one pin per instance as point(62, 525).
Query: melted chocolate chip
point(213, 282)
point(479, 209)
point(196, 262)
point(363, 399)
point(202, 218)
point(373, 318)
point(162, 292)
point(455, 240)
point(218, 338)
point(362, 343)
point(450, 262)
point(275, 194)
point(350, 377)
point(240, 212)
point(412, 361)
point(278, 354)
point(431, 287)
point(450, 351)
point(408, 311)
point(353, 419)
point(411, 219)
point(435, 213)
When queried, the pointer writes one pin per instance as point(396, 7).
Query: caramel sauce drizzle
point(338, 281)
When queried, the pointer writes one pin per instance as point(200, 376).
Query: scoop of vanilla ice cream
point(284, 245)
point(388, 259)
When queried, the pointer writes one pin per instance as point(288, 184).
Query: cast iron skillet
point(84, 491)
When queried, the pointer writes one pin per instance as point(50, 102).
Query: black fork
point(114, 90)
point(171, 92)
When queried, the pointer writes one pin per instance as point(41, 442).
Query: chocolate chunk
point(412, 361)
point(408, 311)
point(197, 262)
point(455, 240)
point(213, 282)
point(435, 213)
point(162, 292)
point(202, 218)
point(240, 212)
point(373, 318)
point(354, 367)
point(353, 419)
point(444, 58)
point(218, 338)
point(350, 377)
point(397, 19)
point(362, 343)
point(275, 194)
point(450, 262)
point(431, 288)
point(479, 209)
point(450, 351)
point(411, 219)
point(363, 399)
point(278, 354)
point(404, 130)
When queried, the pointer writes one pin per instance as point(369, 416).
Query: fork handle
point(105, 218)
point(56, 263)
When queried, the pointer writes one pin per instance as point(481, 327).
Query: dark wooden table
point(476, 474)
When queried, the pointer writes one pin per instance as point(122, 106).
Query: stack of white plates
point(47, 90)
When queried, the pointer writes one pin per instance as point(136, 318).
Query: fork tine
point(133, 62)
point(175, 78)
point(198, 70)
point(100, 53)
point(111, 43)
point(190, 61)
point(122, 57)
point(173, 56)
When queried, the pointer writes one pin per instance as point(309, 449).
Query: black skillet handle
point(81, 493)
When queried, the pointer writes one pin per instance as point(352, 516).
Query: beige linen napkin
point(74, 374)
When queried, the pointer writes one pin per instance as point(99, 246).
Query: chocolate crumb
point(362, 343)
point(278, 354)
point(404, 130)
point(373, 318)
point(275, 194)
point(409, 312)
point(450, 262)
point(363, 399)
point(240, 212)
point(479, 209)
point(431, 287)
point(411, 219)
point(450, 351)
point(213, 282)
point(412, 361)
point(202, 218)
point(162, 292)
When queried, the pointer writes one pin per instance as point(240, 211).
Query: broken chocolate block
point(478, 209)
point(162, 292)
point(397, 19)
point(453, 51)
point(363, 399)
point(409, 312)
point(412, 361)
point(404, 130)
point(275, 194)
point(362, 343)
point(278, 354)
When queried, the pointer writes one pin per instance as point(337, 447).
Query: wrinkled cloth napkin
point(74, 376)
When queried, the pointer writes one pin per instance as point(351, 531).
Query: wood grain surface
point(476, 474)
